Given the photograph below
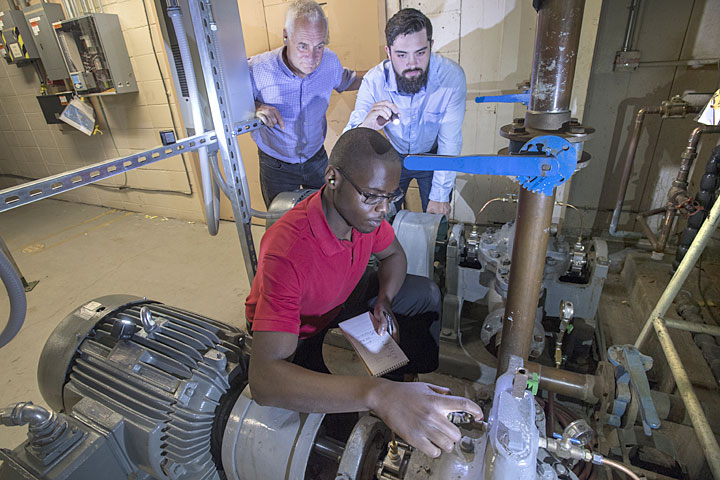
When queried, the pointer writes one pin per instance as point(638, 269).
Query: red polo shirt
point(305, 273)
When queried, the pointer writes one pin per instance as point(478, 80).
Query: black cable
point(108, 187)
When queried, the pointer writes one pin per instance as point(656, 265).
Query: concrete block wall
point(130, 123)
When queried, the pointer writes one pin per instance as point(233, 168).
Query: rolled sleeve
point(347, 77)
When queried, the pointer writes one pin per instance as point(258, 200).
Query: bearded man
point(418, 99)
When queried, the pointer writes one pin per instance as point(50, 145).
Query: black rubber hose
point(18, 302)
point(705, 197)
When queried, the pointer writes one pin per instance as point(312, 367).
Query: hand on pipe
point(269, 115)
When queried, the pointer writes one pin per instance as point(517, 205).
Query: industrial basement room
point(345, 240)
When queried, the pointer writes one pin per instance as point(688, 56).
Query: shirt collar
point(329, 243)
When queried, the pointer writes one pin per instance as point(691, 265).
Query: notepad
point(380, 353)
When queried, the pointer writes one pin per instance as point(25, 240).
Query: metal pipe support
point(681, 274)
point(697, 415)
point(692, 327)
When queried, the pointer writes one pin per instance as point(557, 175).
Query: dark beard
point(411, 86)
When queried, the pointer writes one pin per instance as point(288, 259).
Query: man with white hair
point(292, 87)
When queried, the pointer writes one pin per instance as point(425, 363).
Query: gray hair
point(308, 10)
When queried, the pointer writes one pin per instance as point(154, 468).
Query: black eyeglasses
point(373, 198)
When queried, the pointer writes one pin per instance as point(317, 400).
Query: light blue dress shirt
point(302, 103)
point(434, 114)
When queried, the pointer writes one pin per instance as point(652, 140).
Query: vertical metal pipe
point(534, 215)
point(682, 272)
point(627, 170)
point(630, 28)
point(702, 428)
point(556, 46)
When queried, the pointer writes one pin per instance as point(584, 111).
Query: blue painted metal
point(631, 366)
point(523, 98)
point(542, 164)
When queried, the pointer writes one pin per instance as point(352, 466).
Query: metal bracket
point(542, 164)
point(18, 196)
point(630, 367)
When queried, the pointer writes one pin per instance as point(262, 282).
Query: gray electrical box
point(95, 54)
point(16, 38)
point(40, 18)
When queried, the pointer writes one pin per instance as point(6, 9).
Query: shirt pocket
point(430, 119)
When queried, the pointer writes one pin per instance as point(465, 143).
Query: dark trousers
point(277, 176)
point(424, 181)
point(417, 308)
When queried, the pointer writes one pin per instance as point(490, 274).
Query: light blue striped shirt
point(302, 103)
point(434, 114)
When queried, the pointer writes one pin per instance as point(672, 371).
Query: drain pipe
point(211, 194)
point(625, 179)
point(556, 46)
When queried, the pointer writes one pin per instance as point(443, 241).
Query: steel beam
point(18, 196)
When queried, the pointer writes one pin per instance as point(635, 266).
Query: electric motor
point(157, 382)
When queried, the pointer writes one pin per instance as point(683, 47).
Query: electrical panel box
point(19, 45)
point(40, 18)
point(95, 54)
point(52, 105)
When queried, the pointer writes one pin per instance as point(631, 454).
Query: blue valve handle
point(542, 164)
point(631, 366)
point(523, 98)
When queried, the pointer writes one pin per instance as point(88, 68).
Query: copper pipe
point(587, 388)
point(665, 229)
point(534, 214)
point(646, 228)
point(677, 194)
point(627, 170)
point(556, 46)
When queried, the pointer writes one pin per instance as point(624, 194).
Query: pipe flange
point(520, 131)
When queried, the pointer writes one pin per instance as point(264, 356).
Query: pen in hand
point(389, 324)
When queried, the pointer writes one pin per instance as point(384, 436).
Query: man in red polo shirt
point(311, 275)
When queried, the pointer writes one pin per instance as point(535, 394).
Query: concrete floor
point(79, 252)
